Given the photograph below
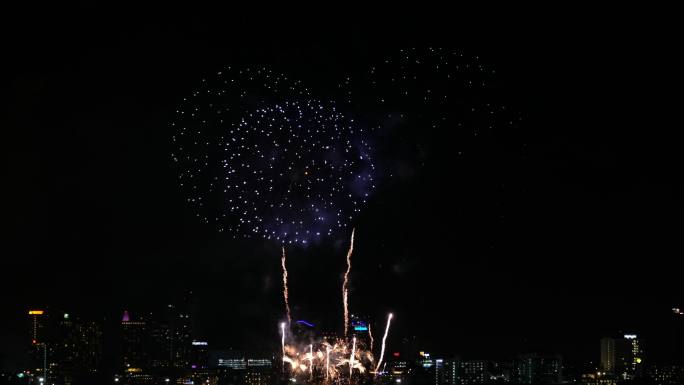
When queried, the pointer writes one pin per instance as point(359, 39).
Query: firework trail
point(351, 359)
point(282, 342)
point(345, 285)
point(311, 362)
point(327, 362)
point(370, 335)
point(285, 292)
point(382, 350)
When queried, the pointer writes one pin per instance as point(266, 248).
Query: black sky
point(544, 238)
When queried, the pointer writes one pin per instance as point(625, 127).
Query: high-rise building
point(538, 369)
point(665, 375)
point(675, 355)
point(622, 357)
point(259, 370)
point(199, 355)
point(79, 350)
point(448, 372)
point(182, 338)
point(161, 344)
point(135, 337)
point(608, 354)
point(37, 318)
point(41, 350)
point(472, 372)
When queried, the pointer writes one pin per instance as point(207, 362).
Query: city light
point(36, 312)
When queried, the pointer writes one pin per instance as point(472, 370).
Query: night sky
point(543, 235)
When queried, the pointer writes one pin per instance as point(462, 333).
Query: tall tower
point(37, 325)
point(40, 350)
point(608, 354)
point(134, 338)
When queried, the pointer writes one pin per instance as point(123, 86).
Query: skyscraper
point(37, 325)
point(134, 335)
point(40, 351)
point(608, 354)
point(538, 369)
point(80, 347)
point(622, 357)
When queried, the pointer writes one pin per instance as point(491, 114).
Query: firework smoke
point(382, 350)
point(285, 292)
point(345, 285)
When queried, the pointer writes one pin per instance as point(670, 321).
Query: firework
point(311, 361)
point(370, 335)
point(382, 350)
point(258, 156)
point(340, 360)
point(345, 285)
point(285, 291)
point(282, 341)
point(351, 358)
point(327, 362)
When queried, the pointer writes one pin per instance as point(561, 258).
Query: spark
point(345, 285)
point(382, 350)
point(285, 292)
point(311, 361)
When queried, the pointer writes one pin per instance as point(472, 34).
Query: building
point(159, 341)
point(622, 357)
point(538, 369)
point(608, 354)
point(134, 349)
point(42, 335)
point(181, 331)
point(665, 375)
point(676, 337)
point(160, 346)
point(199, 354)
point(259, 370)
point(79, 351)
point(63, 348)
point(37, 322)
point(472, 372)
point(455, 371)
point(229, 359)
point(448, 372)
